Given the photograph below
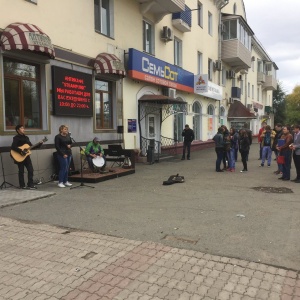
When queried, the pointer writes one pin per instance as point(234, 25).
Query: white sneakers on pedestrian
point(61, 185)
point(68, 183)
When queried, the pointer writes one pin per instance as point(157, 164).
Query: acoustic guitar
point(19, 157)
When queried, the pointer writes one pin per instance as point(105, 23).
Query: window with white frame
point(249, 89)
point(210, 24)
point(177, 52)
point(148, 37)
point(103, 11)
point(210, 69)
point(235, 29)
point(24, 94)
point(234, 8)
point(224, 77)
point(242, 86)
point(200, 14)
point(200, 63)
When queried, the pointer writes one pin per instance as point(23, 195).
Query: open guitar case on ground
point(174, 179)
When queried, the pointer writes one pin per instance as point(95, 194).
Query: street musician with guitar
point(20, 152)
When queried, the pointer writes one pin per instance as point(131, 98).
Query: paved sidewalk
point(45, 262)
point(14, 196)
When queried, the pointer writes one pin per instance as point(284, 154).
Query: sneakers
point(32, 187)
point(68, 183)
point(262, 165)
point(269, 166)
point(232, 170)
point(243, 171)
point(61, 185)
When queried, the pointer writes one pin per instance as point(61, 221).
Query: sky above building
point(276, 25)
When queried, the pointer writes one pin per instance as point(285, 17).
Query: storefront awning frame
point(25, 36)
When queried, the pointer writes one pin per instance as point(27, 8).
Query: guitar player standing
point(18, 141)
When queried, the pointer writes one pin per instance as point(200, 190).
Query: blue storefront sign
point(147, 68)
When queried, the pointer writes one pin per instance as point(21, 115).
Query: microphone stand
point(81, 171)
point(4, 183)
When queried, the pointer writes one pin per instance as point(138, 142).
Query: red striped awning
point(23, 36)
point(107, 63)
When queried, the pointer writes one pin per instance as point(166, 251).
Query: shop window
point(103, 104)
point(197, 120)
point(22, 94)
point(178, 127)
point(222, 115)
point(148, 37)
point(103, 10)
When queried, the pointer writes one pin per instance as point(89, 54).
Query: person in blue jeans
point(286, 151)
point(267, 139)
point(234, 146)
point(219, 148)
point(63, 144)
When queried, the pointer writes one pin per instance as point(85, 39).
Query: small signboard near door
point(131, 125)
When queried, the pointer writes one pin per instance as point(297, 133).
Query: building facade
point(130, 72)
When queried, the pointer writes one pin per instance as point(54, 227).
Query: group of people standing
point(284, 141)
point(228, 143)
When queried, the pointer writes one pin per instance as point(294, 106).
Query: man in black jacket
point(188, 135)
point(18, 141)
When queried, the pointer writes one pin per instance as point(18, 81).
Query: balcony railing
point(183, 20)
point(261, 77)
point(270, 83)
point(161, 8)
point(236, 55)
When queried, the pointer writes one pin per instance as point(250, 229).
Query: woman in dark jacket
point(244, 146)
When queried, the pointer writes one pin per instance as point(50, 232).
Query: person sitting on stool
point(92, 150)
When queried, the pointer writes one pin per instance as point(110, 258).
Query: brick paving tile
point(224, 295)
point(39, 263)
point(262, 294)
point(236, 296)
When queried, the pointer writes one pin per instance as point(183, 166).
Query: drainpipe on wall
point(220, 50)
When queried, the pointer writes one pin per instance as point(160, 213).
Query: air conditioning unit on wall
point(167, 34)
point(169, 92)
point(218, 65)
point(230, 100)
point(230, 74)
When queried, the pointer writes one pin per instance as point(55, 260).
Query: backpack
point(267, 139)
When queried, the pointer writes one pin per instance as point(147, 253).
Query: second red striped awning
point(23, 36)
point(107, 63)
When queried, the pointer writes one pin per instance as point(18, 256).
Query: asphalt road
point(216, 213)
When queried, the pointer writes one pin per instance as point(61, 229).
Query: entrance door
point(152, 128)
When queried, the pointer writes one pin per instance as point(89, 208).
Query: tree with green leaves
point(279, 104)
point(293, 106)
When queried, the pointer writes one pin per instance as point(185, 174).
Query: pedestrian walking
point(244, 146)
